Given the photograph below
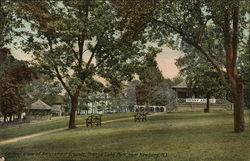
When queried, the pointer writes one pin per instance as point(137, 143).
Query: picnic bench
point(94, 120)
point(140, 116)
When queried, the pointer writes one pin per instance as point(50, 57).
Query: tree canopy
point(214, 29)
point(76, 40)
point(14, 75)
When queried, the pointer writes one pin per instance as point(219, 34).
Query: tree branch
point(61, 80)
point(59, 77)
point(98, 64)
point(214, 63)
point(92, 54)
point(81, 38)
point(202, 30)
point(181, 33)
point(235, 33)
point(95, 49)
point(199, 48)
point(74, 52)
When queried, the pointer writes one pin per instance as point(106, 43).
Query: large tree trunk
point(238, 98)
point(74, 103)
point(4, 118)
point(237, 90)
point(208, 101)
point(231, 34)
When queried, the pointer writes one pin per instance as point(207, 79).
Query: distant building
point(56, 110)
point(188, 100)
point(58, 106)
point(182, 90)
point(38, 111)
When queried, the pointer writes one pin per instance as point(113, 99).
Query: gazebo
point(39, 111)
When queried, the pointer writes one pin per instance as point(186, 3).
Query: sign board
point(199, 100)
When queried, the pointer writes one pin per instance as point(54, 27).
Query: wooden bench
point(94, 120)
point(140, 116)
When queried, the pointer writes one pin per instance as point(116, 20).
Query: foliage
point(65, 33)
point(200, 76)
point(149, 74)
point(92, 92)
point(174, 81)
point(70, 31)
point(7, 23)
point(161, 95)
point(197, 26)
point(14, 74)
point(213, 28)
point(41, 89)
point(130, 95)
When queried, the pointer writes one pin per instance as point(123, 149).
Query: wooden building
point(182, 90)
point(38, 111)
point(57, 110)
point(187, 100)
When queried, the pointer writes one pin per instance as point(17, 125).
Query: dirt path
point(13, 140)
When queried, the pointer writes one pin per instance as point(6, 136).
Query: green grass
point(56, 122)
point(173, 137)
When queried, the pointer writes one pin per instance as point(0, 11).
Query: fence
point(198, 104)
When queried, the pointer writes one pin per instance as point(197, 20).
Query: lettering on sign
point(199, 100)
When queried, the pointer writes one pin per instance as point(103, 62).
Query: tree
point(89, 91)
point(174, 81)
point(43, 89)
point(202, 25)
point(6, 23)
point(130, 95)
point(161, 95)
point(150, 76)
point(201, 77)
point(69, 30)
point(14, 75)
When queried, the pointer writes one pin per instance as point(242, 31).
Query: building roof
point(39, 105)
point(181, 85)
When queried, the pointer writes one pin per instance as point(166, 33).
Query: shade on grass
point(176, 136)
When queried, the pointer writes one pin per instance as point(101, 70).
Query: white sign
point(199, 100)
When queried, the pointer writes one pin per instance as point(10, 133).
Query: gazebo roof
point(181, 85)
point(39, 105)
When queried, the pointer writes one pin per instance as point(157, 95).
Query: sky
point(166, 60)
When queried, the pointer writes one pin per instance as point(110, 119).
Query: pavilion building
point(38, 111)
point(187, 100)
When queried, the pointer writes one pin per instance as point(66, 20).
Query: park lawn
point(173, 137)
point(56, 123)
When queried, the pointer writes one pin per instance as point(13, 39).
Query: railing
point(202, 101)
